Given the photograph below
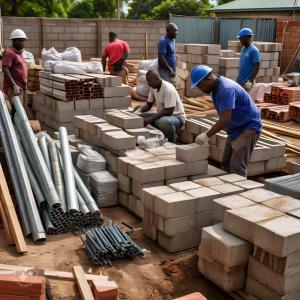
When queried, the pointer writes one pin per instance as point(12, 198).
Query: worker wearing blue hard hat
point(238, 116)
point(249, 59)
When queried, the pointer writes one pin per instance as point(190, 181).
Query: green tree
point(220, 2)
point(83, 9)
point(141, 9)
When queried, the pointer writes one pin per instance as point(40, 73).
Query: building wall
point(89, 35)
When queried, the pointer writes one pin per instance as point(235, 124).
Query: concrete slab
point(184, 186)
point(227, 188)
point(175, 180)
point(209, 182)
point(284, 204)
point(232, 178)
point(249, 184)
point(260, 195)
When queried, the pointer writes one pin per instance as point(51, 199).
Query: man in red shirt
point(117, 52)
point(14, 66)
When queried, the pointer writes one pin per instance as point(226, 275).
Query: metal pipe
point(82, 206)
point(71, 193)
point(44, 149)
point(38, 232)
point(38, 162)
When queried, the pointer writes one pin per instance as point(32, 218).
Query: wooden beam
point(8, 235)
point(82, 284)
point(11, 215)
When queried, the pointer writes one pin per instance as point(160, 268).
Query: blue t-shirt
point(248, 57)
point(167, 47)
point(245, 115)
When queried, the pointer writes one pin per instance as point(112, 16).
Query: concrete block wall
point(89, 35)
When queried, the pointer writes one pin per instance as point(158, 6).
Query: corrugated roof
point(258, 5)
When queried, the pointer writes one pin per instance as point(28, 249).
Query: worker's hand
point(202, 139)
point(147, 121)
point(137, 107)
point(248, 85)
point(172, 73)
point(17, 90)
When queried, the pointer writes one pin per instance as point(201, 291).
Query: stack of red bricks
point(294, 109)
point(276, 113)
point(22, 287)
point(282, 95)
point(105, 290)
point(33, 83)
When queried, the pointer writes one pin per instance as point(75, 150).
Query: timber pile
point(196, 106)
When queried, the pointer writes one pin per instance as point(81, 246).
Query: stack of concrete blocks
point(270, 54)
point(223, 258)
point(191, 55)
point(157, 167)
point(54, 111)
point(268, 155)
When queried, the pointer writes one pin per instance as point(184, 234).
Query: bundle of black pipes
point(109, 242)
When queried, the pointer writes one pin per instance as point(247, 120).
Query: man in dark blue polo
point(238, 116)
point(167, 53)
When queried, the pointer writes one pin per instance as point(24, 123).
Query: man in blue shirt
point(238, 116)
point(167, 53)
point(249, 60)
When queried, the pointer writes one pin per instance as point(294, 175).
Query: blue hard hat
point(245, 32)
point(198, 74)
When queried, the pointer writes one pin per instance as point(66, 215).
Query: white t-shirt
point(167, 97)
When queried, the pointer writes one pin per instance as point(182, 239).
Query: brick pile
point(33, 83)
point(270, 53)
point(64, 96)
point(282, 95)
point(260, 229)
point(268, 155)
point(174, 215)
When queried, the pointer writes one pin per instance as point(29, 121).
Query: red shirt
point(14, 59)
point(115, 51)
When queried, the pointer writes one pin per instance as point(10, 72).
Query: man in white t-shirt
point(170, 114)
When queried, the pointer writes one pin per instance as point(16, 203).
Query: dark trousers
point(237, 153)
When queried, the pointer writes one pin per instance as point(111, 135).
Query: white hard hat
point(18, 34)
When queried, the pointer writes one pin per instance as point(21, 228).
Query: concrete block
point(173, 168)
point(242, 221)
point(284, 204)
point(123, 162)
point(175, 180)
point(191, 152)
point(136, 206)
point(149, 230)
point(125, 183)
point(82, 105)
point(137, 187)
point(210, 59)
point(229, 72)
point(278, 147)
point(116, 91)
point(181, 48)
point(106, 200)
point(196, 49)
point(195, 59)
point(260, 291)
point(279, 236)
point(184, 186)
point(223, 247)
point(204, 198)
point(256, 168)
point(64, 106)
point(181, 241)
point(193, 126)
point(159, 151)
point(227, 53)
point(261, 153)
point(260, 195)
point(280, 284)
point(198, 167)
point(249, 184)
point(117, 102)
point(232, 62)
point(124, 120)
point(227, 188)
point(96, 103)
point(232, 178)
point(208, 182)
point(228, 281)
point(214, 49)
point(123, 199)
point(275, 164)
point(220, 205)
point(119, 140)
point(174, 205)
point(148, 172)
point(139, 132)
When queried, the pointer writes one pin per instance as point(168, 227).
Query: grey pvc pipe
point(37, 229)
point(44, 149)
point(15, 180)
point(71, 193)
point(47, 220)
point(38, 162)
point(57, 174)
point(82, 206)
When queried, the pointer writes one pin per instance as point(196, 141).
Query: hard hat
point(198, 74)
point(18, 34)
point(245, 32)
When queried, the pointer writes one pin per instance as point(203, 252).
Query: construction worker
point(14, 66)
point(249, 60)
point(238, 115)
point(170, 114)
point(117, 52)
point(167, 53)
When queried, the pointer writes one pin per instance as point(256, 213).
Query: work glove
point(248, 85)
point(202, 139)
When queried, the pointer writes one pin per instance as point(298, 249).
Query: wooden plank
point(10, 211)
point(8, 235)
point(82, 284)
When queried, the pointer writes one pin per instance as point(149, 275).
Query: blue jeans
point(167, 124)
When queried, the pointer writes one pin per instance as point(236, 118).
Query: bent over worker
point(238, 115)
point(249, 60)
point(14, 66)
point(170, 114)
point(117, 52)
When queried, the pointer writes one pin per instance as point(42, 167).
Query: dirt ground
point(158, 276)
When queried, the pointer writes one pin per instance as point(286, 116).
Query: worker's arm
point(224, 120)
point(16, 88)
point(104, 57)
point(165, 64)
point(144, 108)
point(164, 112)
point(255, 71)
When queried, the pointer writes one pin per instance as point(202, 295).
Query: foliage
point(141, 9)
point(221, 2)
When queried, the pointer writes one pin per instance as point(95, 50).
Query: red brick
point(105, 290)
point(15, 297)
point(296, 34)
point(193, 296)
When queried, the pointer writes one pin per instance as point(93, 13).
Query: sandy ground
point(159, 275)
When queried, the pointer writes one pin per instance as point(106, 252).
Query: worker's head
point(172, 30)
point(153, 79)
point(203, 78)
point(112, 36)
point(18, 38)
point(245, 36)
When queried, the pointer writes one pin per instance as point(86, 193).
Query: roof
point(258, 5)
